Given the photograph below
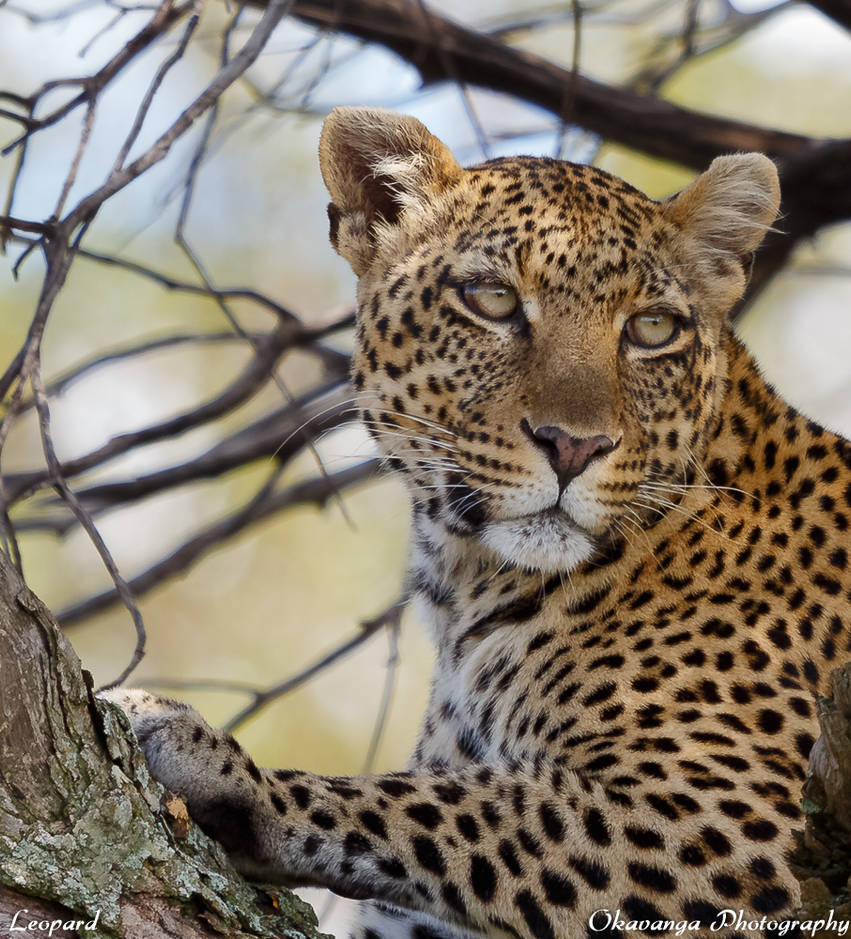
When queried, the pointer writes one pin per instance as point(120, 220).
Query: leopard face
point(538, 342)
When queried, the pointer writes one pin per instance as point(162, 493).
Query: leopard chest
point(623, 694)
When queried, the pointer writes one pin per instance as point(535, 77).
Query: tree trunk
point(823, 860)
point(85, 834)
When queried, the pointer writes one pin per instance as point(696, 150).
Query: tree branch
point(643, 122)
point(315, 491)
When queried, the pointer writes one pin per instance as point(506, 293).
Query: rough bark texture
point(823, 860)
point(83, 830)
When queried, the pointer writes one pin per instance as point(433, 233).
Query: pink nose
point(568, 456)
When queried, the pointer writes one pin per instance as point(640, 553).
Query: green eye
point(493, 301)
point(653, 329)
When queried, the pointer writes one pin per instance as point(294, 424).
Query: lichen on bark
point(822, 861)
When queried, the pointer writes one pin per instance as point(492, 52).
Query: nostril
point(544, 439)
point(569, 456)
point(599, 446)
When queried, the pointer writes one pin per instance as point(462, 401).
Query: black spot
point(596, 827)
point(394, 868)
point(452, 896)
point(553, 826)
point(509, 857)
point(770, 900)
point(312, 844)
point(418, 932)
point(491, 815)
point(356, 843)
point(449, 793)
point(324, 820)
point(705, 913)
point(644, 837)
point(727, 885)
point(759, 830)
point(558, 889)
point(692, 855)
point(716, 841)
point(229, 823)
point(651, 877)
point(395, 787)
point(592, 872)
point(636, 908)
point(482, 878)
point(374, 823)
point(769, 721)
point(301, 795)
point(253, 772)
point(468, 827)
point(536, 919)
point(424, 814)
point(662, 806)
point(734, 808)
point(530, 844)
point(428, 855)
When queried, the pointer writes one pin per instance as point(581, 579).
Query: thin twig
point(122, 590)
point(312, 492)
point(367, 629)
point(392, 625)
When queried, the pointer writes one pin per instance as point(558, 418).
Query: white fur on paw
point(140, 705)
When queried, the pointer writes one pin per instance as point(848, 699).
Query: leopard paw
point(172, 736)
point(218, 781)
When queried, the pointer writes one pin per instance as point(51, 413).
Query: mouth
point(547, 541)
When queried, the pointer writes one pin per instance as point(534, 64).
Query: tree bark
point(85, 833)
point(822, 862)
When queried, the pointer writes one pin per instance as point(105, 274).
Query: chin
point(547, 542)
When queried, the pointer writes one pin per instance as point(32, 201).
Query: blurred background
point(254, 600)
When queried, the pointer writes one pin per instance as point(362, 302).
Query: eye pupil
point(491, 300)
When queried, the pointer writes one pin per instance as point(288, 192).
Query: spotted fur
point(627, 659)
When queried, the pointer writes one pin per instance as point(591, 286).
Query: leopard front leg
point(490, 849)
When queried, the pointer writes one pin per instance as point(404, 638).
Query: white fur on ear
point(731, 206)
point(378, 164)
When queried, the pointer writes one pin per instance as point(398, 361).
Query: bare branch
point(122, 591)
point(274, 11)
point(389, 617)
point(240, 390)
point(165, 17)
point(312, 492)
point(649, 124)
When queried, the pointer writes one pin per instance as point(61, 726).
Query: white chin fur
point(547, 543)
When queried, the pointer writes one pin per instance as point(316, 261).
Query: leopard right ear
point(731, 206)
point(378, 166)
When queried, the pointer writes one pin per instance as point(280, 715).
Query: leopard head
point(540, 347)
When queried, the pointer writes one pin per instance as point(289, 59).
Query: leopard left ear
point(377, 164)
point(731, 206)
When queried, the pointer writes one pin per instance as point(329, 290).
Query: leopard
point(630, 552)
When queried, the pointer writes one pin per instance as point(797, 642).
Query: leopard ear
point(730, 207)
point(376, 165)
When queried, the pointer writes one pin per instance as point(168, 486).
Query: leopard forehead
point(568, 234)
